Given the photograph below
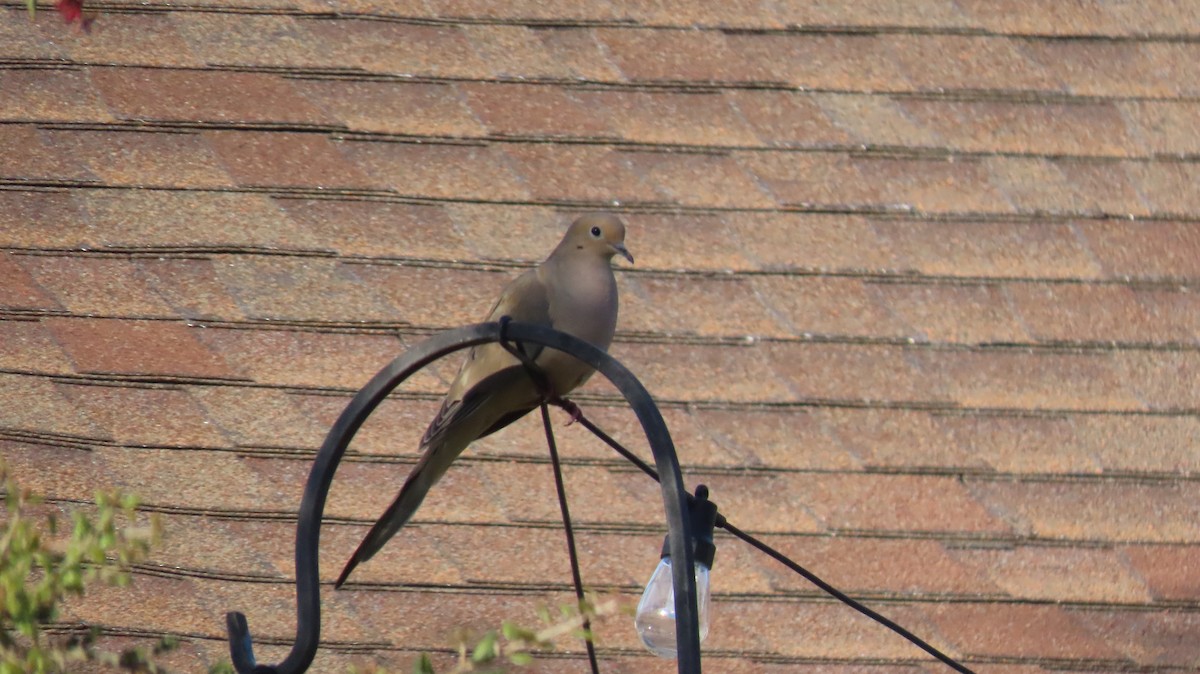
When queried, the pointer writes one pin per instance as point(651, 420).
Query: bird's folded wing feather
point(524, 299)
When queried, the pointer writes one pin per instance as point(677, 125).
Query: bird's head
point(599, 233)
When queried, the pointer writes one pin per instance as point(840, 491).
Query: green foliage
point(513, 644)
point(487, 649)
point(424, 665)
point(41, 566)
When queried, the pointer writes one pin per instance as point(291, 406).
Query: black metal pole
point(576, 578)
point(312, 505)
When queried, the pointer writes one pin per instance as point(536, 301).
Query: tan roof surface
point(917, 289)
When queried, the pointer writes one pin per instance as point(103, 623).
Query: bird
point(574, 291)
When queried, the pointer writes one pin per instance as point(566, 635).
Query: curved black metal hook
point(312, 505)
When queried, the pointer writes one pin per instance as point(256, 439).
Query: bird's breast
point(587, 310)
point(584, 305)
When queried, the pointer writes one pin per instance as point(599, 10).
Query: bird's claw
point(571, 409)
point(540, 380)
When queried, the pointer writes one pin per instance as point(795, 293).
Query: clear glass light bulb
point(655, 618)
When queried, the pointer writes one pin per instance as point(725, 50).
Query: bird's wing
point(490, 391)
point(524, 299)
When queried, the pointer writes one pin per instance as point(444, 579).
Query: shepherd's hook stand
point(312, 505)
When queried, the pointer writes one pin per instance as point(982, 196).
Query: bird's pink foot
point(571, 409)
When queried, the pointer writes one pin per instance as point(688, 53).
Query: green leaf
point(520, 658)
point(73, 581)
point(32, 5)
point(487, 649)
point(514, 633)
point(27, 604)
point(166, 644)
point(424, 665)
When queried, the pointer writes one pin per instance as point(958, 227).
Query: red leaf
point(71, 10)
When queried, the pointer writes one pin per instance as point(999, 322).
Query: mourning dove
point(573, 291)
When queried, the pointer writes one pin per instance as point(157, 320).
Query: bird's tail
point(396, 516)
point(456, 425)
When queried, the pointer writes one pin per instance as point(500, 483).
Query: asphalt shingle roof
point(916, 290)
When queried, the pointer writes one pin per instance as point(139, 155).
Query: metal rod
point(576, 578)
point(846, 599)
point(312, 505)
point(811, 577)
point(608, 440)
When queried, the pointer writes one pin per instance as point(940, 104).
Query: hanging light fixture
point(655, 617)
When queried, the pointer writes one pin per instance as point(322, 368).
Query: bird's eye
point(596, 231)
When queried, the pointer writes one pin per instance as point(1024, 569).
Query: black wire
point(543, 384)
point(783, 559)
point(840, 596)
point(566, 515)
point(633, 458)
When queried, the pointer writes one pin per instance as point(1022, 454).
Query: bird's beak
point(620, 248)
